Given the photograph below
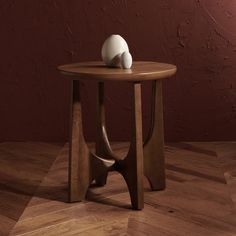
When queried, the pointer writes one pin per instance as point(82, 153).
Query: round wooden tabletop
point(140, 71)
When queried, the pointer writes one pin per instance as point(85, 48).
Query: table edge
point(116, 77)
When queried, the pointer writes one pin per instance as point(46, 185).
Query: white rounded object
point(126, 60)
point(112, 49)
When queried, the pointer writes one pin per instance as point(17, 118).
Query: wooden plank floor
point(22, 167)
point(200, 197)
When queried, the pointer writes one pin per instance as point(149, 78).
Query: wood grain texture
point(102, 143)
point(154, 159)
point(132, 166)
point(22, 168)
point(226, 152)
point(140, 71)
point(196, 201)
point(84, 166)
point(79, 158)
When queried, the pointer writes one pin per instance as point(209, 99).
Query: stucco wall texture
point(199, 36)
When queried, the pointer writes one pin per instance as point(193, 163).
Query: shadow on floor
point(22, 168)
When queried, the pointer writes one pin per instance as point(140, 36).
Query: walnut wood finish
point(79, 163)
point(154, 161)
point(102, 144)
point(85, 166)
point(196, 202)
point(132, 166)
point(140, 71)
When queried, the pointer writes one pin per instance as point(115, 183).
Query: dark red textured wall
point(199, 36)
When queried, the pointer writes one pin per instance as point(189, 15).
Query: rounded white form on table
point(115, 52)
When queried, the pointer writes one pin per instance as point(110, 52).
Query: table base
point(142, 159)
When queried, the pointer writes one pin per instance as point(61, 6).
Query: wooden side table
point(142, 159)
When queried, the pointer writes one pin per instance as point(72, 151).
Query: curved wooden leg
point(132, 166)
point(103, 147)
point(100, 166)
point(83, 165)
point(154, 161)
point(102, 179)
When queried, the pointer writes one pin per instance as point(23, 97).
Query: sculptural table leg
point(84, 166)
point(132, 166)
point(154, 162)
point(79, 155)
point(102, 144)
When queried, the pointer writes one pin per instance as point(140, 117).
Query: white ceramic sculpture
point(126, 60)
point(112, 51)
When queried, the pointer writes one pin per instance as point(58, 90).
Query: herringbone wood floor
point(200, 197)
